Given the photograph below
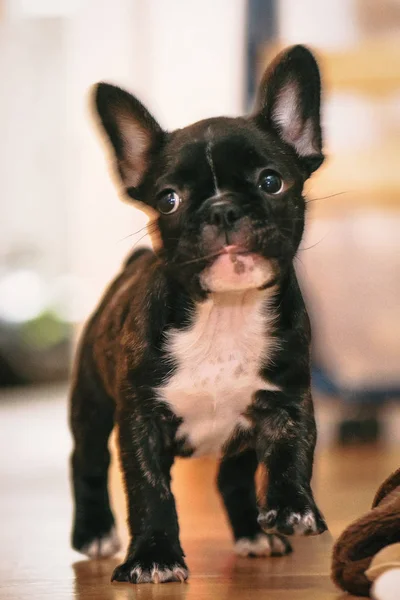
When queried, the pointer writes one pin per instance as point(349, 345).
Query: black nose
point(224, 214)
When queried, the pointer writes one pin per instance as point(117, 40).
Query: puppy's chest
point(218, 360)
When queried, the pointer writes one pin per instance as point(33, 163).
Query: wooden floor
point(36, 561)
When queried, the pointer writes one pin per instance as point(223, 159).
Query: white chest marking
point(219, 360)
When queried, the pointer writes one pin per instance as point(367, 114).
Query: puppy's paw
point(290, 521)
point(103, 546)
point(263, 544)
point(153, 559)
point(134, 571)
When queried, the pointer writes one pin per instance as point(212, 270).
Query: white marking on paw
point(270, 515)
point(294, 519)
point(136, 575)
point(103, 547)
point(259, 546)
point(181, 573)
point(303, 523)
point(307, 523)
point(159, 575)
point(279, 547)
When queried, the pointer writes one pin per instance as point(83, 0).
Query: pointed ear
point(289, 103)
point(134, 134)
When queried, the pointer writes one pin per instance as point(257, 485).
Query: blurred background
point(64, 232)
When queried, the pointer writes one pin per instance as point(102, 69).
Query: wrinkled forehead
point(216, 153)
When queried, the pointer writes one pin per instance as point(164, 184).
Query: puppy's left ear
point(134, 134)
point(289, 102)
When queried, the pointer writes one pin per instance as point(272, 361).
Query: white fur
point(159, 575)
point(177, 573)
point(306, 524)
point(219, 359)
point(103, 547)
point(302, 523)
point(234, 272)
point(262, 545)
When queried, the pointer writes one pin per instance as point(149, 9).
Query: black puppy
point(202, 346)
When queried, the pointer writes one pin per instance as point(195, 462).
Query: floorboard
point(36, 561)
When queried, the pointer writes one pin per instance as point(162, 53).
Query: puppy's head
point(227, 191)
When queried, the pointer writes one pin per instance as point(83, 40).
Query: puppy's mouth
point(235, 268)
point(233, 250)
point(241, 259)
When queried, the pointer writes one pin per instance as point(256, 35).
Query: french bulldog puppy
point(202, 346)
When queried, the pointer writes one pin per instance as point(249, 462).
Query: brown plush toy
point(370, 547)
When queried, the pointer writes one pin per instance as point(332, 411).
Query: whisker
point(313, 245)
point(194, 260)
point(150, 227)
point(139, 240)
point(307, 201)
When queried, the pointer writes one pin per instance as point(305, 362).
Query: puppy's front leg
point(154, 554)
point(286, 436)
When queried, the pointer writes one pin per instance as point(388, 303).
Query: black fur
point(124, 355)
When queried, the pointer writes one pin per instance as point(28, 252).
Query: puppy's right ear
point(134, 134)
point(289, 102)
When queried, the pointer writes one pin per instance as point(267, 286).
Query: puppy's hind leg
point(92, 420)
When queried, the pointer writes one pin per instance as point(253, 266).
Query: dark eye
point(168, 203)
point(271, 182)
